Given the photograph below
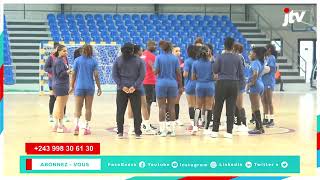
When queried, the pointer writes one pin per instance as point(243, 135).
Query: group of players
point(142, 77)
point(208, 82)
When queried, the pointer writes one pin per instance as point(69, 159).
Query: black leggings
point(52, 100)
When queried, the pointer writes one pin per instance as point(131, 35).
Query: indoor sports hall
point(30, 31)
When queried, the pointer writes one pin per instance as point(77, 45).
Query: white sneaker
point(214, 134)
point(149, 132)
point(66, 119)
point(60, 130)
point(227, 135)
point(242, 128)
point(206, 132)
point(173, 134)
point(194, 130)
point(51, 118)
point(235, 128)
point(163, 133)
point(179, 122)
point(173, 129)
point(131, 131)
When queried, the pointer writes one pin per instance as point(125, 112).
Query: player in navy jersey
point(189, 84)
point(269, 82)
point(255, 86)
point(48, 68)
point(60, 86)
point(202, 73)
point(240, 113)
point(168, 71)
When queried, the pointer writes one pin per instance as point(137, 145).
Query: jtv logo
point(291, 16)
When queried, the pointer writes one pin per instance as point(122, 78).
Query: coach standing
point(128, 72)
point(229, 70)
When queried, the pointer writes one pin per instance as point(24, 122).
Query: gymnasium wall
point(39, 12)
point(29, 11)
point(272, 13)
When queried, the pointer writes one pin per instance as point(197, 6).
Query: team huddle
point(143, 78)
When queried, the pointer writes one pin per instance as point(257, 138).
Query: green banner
point(160, 164)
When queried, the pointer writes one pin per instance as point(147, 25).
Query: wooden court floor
point(26, 120)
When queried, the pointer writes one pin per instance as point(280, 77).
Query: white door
point(307, 53)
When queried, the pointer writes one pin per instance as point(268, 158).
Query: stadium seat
point(117, 17)
point(98, 17)
point(107, 17)
point(135, 17)
point(107, 39)
point(198, 18)
point(60, 17)
point(51, 17)
point(180, 17)
point(88, 17)
point(153, 17)
point(139, 28)
point(144, 17)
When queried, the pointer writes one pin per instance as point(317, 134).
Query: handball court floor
point(26, 120)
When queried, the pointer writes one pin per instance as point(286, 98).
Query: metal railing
point(289, 51)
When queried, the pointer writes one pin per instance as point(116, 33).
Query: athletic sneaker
point(148, 131)
point(194, 130)
point(179, 122)
point(214, 134)
point(235, 128)
point(163, 133)
point(227, 135)
point(87, 131)
point(131, 131)
point(252, 121)
point(242, 128)
point(76, 131)
point(51, 118)
point(138, 136)
point(152, 127)
point(189, 128)
point(66, 119)
point(120, 135)
point(62, 129)
point(265, 122)
point(54, 129)
point(270, 124)
point(256, 131)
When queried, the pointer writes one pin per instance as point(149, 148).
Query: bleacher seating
point(8, 67)
point(139, 28)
